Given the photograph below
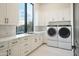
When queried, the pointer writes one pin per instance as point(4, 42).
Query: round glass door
point(64, 32)
point(51, 31)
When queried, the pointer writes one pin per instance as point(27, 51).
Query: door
point(12, 13)
point(64, 32)
point(76, 28)
point(2, 13)
point(51, 32)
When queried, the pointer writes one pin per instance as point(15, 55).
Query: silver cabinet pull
point(14, 42)
point(6, 20)
point(7, 53)
point(25, 39)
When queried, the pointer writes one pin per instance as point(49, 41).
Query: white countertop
point(18, 36)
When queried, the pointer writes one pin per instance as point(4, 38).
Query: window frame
point(26, 17)
point(25, 20)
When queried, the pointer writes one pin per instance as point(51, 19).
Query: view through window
point(25, 20)
point(29, 17)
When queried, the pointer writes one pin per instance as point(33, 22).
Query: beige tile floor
point(44, 50)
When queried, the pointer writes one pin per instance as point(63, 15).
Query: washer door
point(51, 32)
point(64, 32)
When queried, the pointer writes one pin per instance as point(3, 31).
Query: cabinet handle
point(14, 42)
point(7, 52)
point(5, 20)
point(1, 46)
point(25, 39)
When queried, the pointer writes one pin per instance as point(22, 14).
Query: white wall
point(37, 27)
point(53, 12)
point(36, 14)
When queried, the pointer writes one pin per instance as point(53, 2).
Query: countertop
point(19, 36)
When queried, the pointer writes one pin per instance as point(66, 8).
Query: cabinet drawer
point(13, 42)
point(23, 40)
point(3, 45)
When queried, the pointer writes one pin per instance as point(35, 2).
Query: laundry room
point(37, 29)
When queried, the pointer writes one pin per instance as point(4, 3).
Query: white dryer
point(64, 36)
point(52, 39)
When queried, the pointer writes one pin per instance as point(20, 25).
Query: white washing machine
point(52, 39)
point(64, 36)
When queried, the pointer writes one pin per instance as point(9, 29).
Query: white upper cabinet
point(8, 13)
point(2, 13)
point(12, 13)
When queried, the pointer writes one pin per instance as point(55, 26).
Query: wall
point(7, 31)
point(37, 27)
point(54, 12)
point(46, 12)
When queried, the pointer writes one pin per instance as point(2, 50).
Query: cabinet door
point(3, 48)
point(2, 13)
point(36, 40)
point(24, 50)
point(33, 42)
point(4, 52)
point(14, 48)
point(40, 39)
point(24, 46)
point(14, 51)
point(12, 13)
point(30, 43)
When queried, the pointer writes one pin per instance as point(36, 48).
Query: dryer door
point(51, 31)
point(64, 32)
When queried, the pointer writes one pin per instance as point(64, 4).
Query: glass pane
point(29, 17)
point(21, 20)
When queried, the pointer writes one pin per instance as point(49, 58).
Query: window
point(25, 19)
point(29, 17)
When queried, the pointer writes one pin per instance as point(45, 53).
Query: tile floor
point(44, 50)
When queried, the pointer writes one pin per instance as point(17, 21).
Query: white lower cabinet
point(31, 43)
point(40, 38)
point(4, 52)
point(20, 46)
point(24, 50)
point(37, 41)
point(3, 48)
point(14, 48)
point(24, 46)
